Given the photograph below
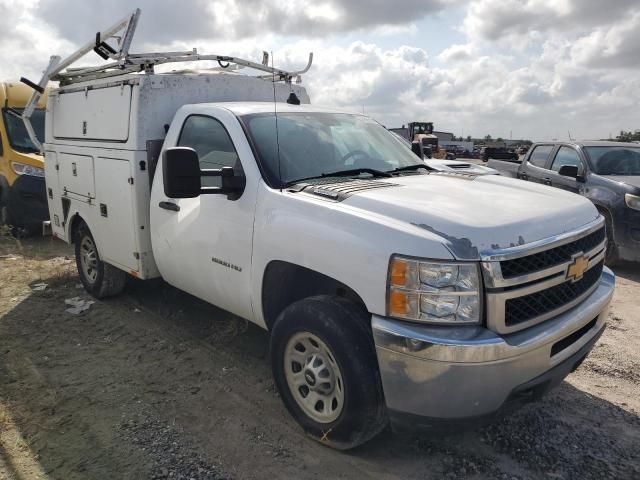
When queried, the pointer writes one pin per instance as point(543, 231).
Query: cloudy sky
point(523, 68)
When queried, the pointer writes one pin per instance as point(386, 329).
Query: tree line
point(628, 136)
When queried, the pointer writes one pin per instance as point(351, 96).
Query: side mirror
point(182, 176)
point(417, 149)
point(572, 171)
point(181, 173)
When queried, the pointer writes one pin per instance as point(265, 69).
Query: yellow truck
point(23, 199)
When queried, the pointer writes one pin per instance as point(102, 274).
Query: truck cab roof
point(590, 143)
point(249, 108)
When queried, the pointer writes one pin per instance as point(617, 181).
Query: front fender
point(347, 244)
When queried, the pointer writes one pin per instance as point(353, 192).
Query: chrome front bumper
point(453, 373)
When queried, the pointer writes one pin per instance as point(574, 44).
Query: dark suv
point(607, 173)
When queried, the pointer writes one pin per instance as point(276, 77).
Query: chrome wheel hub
point(89, 259)
point(313, 377)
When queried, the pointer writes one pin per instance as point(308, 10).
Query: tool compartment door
point(54, 194)
point(76, 175)
point(93, 114)
point(114, 213)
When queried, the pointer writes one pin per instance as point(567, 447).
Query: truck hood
point(633, 180)
point(476, 214)
point(33, 159)
point(456, 165)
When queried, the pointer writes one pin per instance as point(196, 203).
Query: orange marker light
point(399, 273)
point(397, 303)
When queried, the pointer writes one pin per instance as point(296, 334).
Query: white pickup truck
point(391, 292)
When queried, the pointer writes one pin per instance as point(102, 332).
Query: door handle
point(524, 176)
point(169, 206)
point(547, 181)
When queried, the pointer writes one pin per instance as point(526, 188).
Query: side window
point(566, 156)
point(208, 137)
point(540, 155)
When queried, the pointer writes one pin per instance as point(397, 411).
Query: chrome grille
point(522, 309)
point(529, 284)
point(549, 258)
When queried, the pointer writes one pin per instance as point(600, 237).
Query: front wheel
point(325, 367)
point(98, 278)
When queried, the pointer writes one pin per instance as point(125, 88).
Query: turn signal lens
point(434, 292)
point(403, 304)
point(404, 273)
point(399, 273)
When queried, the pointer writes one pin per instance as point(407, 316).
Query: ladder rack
point(123, 62)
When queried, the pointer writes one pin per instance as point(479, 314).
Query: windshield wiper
point(409, 168)
point(345, 173)
point(357, 171)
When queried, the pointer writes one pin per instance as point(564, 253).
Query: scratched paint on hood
point(474, 217)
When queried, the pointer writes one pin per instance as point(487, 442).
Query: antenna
point(569, 132)
point(275, 114)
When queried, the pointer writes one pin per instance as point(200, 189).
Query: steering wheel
point(353, 153)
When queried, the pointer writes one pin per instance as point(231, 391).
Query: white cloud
point(458, 53)
point(231, 19)
point(25, 42)
point(534, 67)
point(495, 19)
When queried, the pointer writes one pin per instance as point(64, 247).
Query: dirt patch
point(156, 384)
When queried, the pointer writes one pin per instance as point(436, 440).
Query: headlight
point(23, 169)
point(632, 201)
point(442, 293)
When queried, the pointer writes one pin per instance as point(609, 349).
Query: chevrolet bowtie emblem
point(577, 267)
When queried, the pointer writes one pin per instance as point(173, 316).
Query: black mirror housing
point(181, 173)
point(182, 176)
point(570, 171)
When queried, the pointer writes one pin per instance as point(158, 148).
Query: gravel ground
point(156, 384)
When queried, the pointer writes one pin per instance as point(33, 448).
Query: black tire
point(612, 258)
point(345, 329)
point(102, 280)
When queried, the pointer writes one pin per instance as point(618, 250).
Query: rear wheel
point(325, 367)
point(98, 278)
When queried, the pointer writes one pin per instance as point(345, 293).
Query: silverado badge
point(577, 267)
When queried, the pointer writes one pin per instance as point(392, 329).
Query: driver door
point(566, 156)
point(203, 245)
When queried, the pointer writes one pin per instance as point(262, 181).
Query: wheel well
point(76, 221)
point(604, 211)
point(285, 283)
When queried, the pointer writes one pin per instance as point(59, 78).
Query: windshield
point(422, 128)
point(623, 160)
point(17, 132)
point(313, 144)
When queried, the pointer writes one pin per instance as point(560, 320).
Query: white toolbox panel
point(93, 114)
point(114, 219)
point(75, 174)
point(54, 194)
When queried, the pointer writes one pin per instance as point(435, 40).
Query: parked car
point(488, 153)
point(23, 200)
point(607, 173)
point(447, 164)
